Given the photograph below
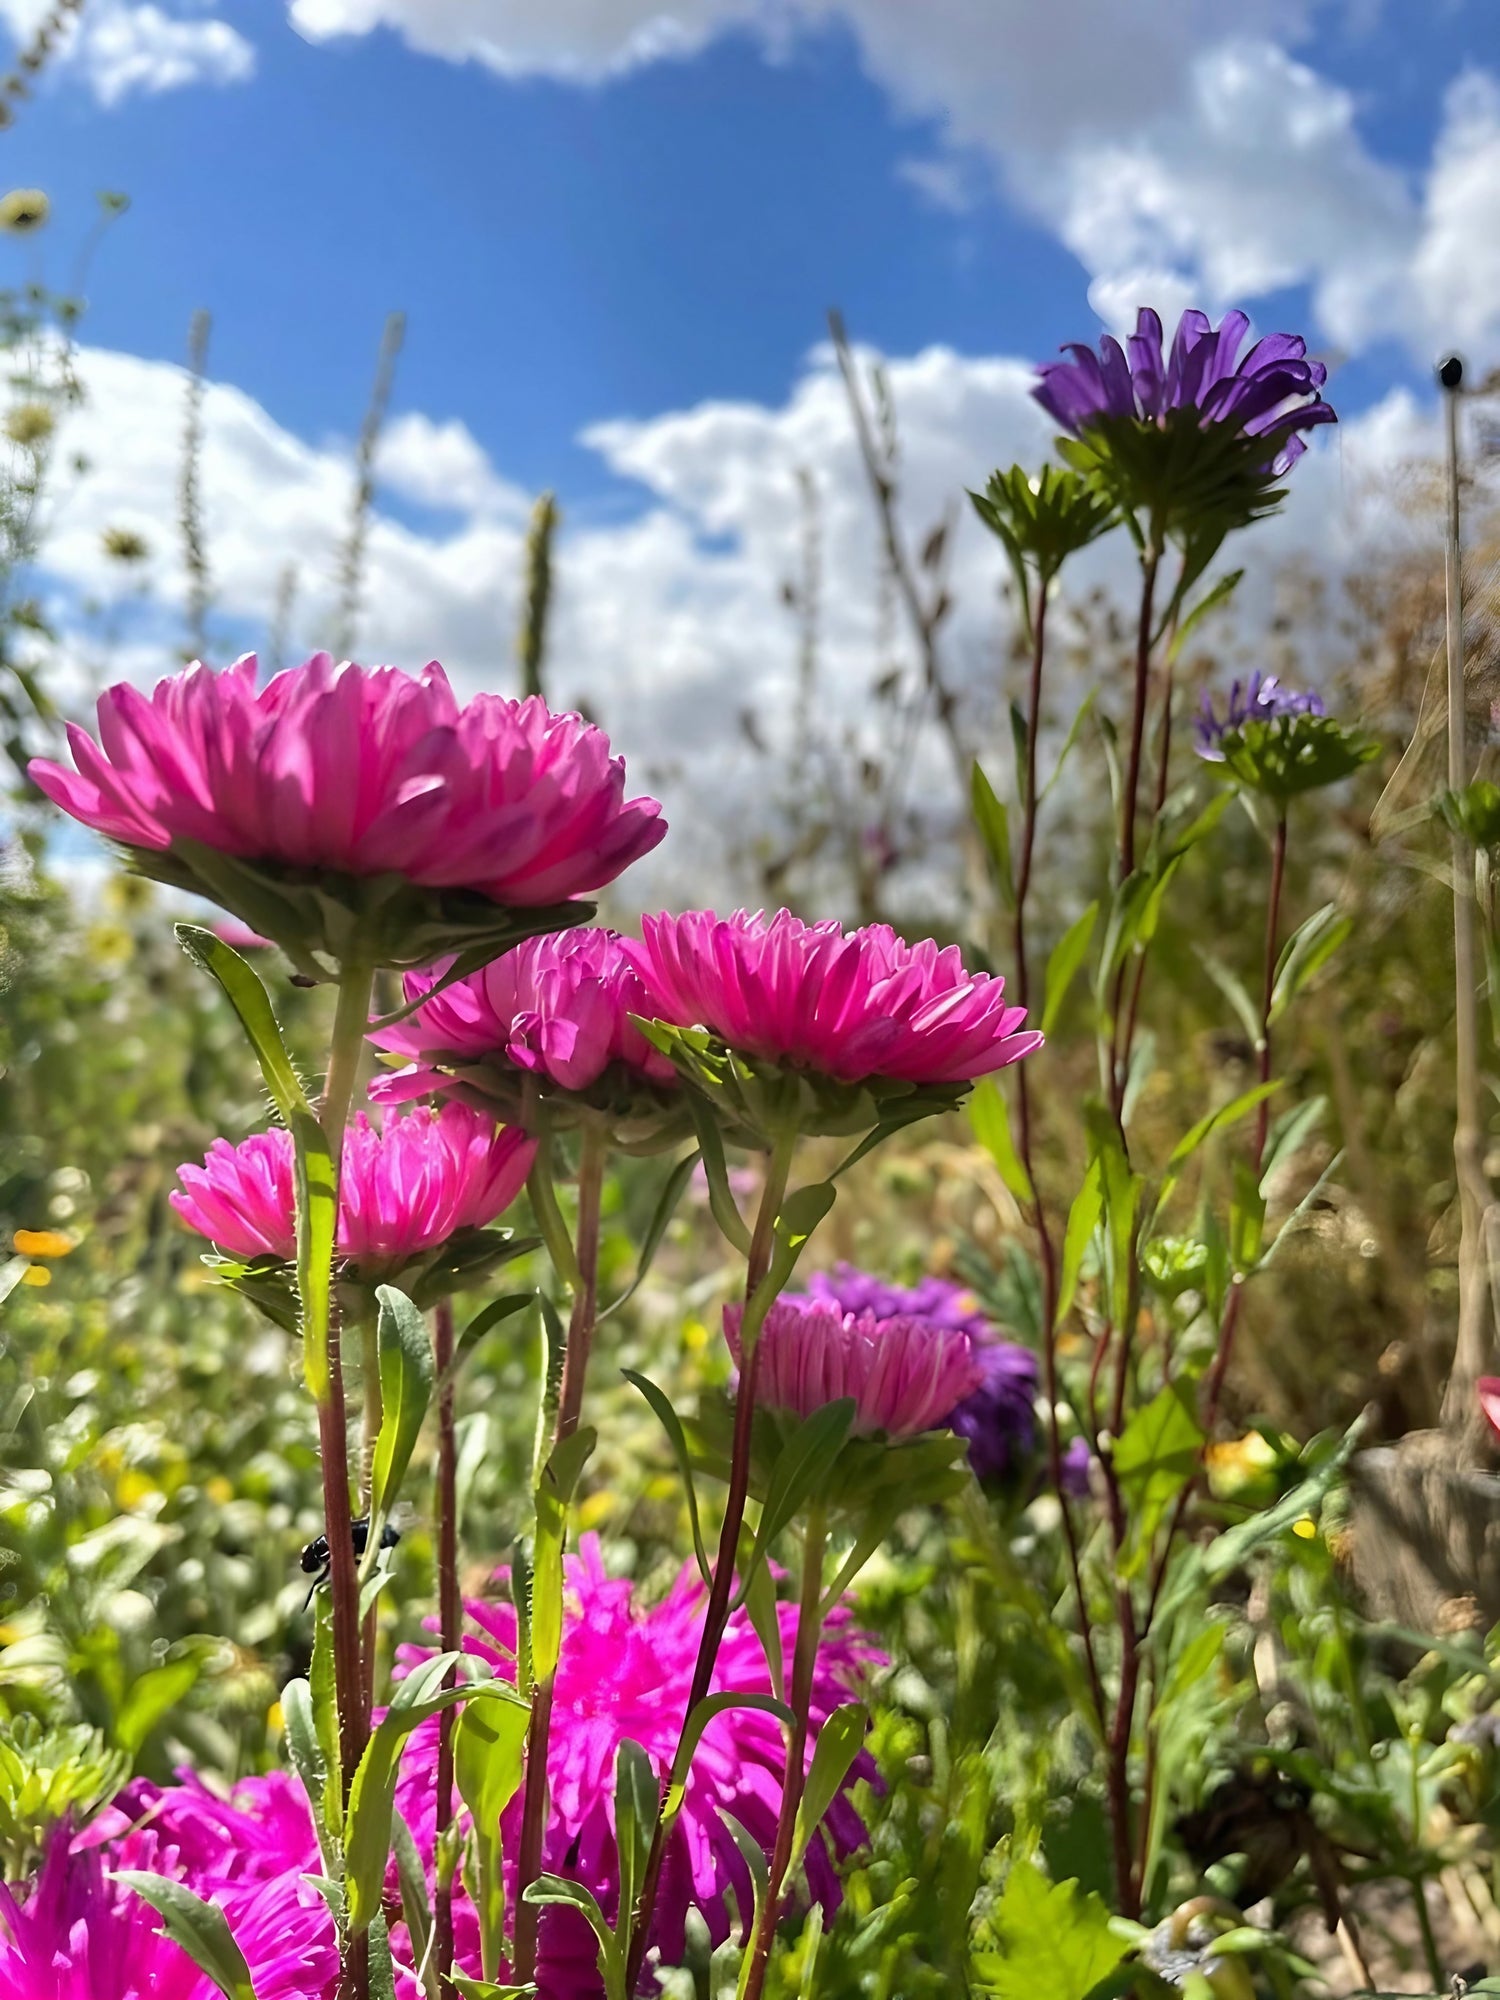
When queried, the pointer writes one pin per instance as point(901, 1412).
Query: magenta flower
point(406, 1188)
point(905, 1375)
point(1269, 395)
point(626, 1671)
point(354, 781)
point(549, 1022)
point(851, 1006)
point(77, 1935)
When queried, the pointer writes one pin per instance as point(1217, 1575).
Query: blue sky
point(615, 226)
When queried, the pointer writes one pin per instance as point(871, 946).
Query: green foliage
point(1047, 1938)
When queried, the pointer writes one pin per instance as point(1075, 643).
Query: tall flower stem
point(374, 1412)
point(349, 1025)
point(716, 1617)
point(585, 1256)
point(1129, 802)
point(1045, 1245)
point(450, 1623)
point(793, 1777)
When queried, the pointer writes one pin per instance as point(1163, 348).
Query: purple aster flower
point(1262, 698)
point(1076, 1460)
point(999, 1417)
point(1271, 394)
point(931, 1298)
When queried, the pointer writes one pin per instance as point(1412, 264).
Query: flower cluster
point(625, 1672)
point(416, 1185)
point(550, 1026)
point(306, 807)
point(1261, 698)
point(1279, 740)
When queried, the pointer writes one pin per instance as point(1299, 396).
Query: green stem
point(350, 1018)
point(716, 1617)
point(793, 1776)
point(584, 1259)
point(450, 1627)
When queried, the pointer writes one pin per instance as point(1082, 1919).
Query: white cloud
point(668, 625)
point(442, 465)
point(120, 47)
point(1455, 275)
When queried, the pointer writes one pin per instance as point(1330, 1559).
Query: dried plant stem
point(531, 640)
point(925, 615)
point(450, 1627)
point(581, 1322)
point(189, 491)
point(793, 1775)
point(34, 57)
point(1472, 1345)
point(352, 558)
point(716, 1617)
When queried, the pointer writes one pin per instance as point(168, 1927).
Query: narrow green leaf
point(721, 1200)
point(325, 1713)
point(573, 1895)
point(760, 1886)
point(554, 1353)
point(488, 1746)
point(200, 1928)
point(149, 1699)
point(1233, 989)
point(1222, 591)
point(692, 1735)
point(416, 1909)
point(317, 1186)
point(838, 1745)
point(990, 1121)
point(671, 1423)
point(993, 821)
point(656, 1229)
point(306, 1756)
point(1066, 957)
point(637, 1799)
point(1083, 1220)
point(1214, 1121)
point(1305, 953)
point(406, 1378)
point(803, 1461)
point(484, 1322)
point(1075, 730)
point(251, 1002)
point(1154, 1458)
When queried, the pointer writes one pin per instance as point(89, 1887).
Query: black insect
point(316, 1557)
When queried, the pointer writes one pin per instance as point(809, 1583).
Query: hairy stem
point(575, 1369)
point(1150, 562)
point(716, 1617)
point(450, 1626)
point(793, 1776)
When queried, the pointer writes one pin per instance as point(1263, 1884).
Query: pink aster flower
point(906, 1375)
point(626, 1671)
point(849, 1005)
point(1487, 1389)
point(556, 1011)
point(359, 772)
point(405, 1187)
point(78, 1935)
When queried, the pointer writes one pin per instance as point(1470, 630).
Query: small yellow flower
point(695, 1336)
point(592, 1510)
point(41, 1243)
point(219, 1490)
point(275, 1721)
point(38, 1275)
point(24, 209)
point(1306, 1529)
point(30, 424)
point(133, 1488)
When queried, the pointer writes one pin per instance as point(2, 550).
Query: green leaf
point(1210, 601)
point(716, 1171)
point(637, 1801)
point(1305, 953)
point(554, 1496)
point(671, 1423)
point(802, 1463)
point(1289, 1134)
point(371, 1797)
point(838, 1745)
point(306, 1756)
point(317, 1185)
point(200, 1928)
point(1154, 1458)
point(488, 1764)
point(1066, 957)
point(325, 1711)
point(484, 1321)
point(697, 1722)
point(800, 1215)
point(990, 1121)
point(415, 1907)
point(1053, 1941)
point(656, 1229)
point(406, 1377)
point(754, 1859)
point(1075, 730)
point(1234, 991)
point(149, 1699)
point(486, 1989)
point(993, 821)
point(573, 1895)
point(1214, 1121)
point(1247, 1217)
point(1083, 1220)
point(250, 1001)
point(554, 1353)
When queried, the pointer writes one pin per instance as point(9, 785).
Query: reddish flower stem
point(716, 1617)
point(450, 1625)
point(1150, 562)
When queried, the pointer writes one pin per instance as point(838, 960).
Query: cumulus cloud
point(667, 625)
point(122, 47)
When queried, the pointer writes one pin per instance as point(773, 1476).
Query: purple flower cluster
point(1271, 393)
point(1262, 698)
